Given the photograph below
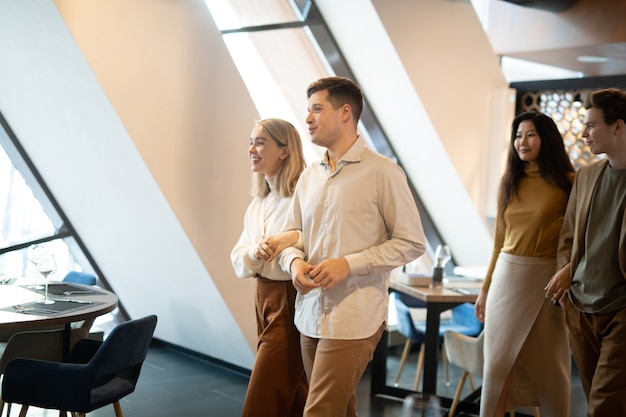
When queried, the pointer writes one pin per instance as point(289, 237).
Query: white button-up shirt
point(264, 218)
point(364, 212)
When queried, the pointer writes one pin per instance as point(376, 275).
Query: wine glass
point(421, 405)
point(35, 253)
point(46, 267)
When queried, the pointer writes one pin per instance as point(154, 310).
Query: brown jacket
point(572, 239)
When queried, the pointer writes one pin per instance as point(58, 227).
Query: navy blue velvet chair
point(96, 373)
point(45, 344)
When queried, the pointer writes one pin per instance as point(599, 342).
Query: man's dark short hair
point(341, 91)
point(611, 101)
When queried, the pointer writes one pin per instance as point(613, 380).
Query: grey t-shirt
point(598, 285)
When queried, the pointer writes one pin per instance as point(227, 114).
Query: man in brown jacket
point(591, 259)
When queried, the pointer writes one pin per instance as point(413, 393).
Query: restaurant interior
point(125, 130)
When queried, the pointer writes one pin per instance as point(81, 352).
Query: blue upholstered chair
point(463, 320)
point(96, 373)
point(85, 279)
point(406, 327)
point(80, 278)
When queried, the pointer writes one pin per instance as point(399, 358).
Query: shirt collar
point(354, 154)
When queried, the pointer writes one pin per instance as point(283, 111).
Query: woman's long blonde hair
point(285, 135)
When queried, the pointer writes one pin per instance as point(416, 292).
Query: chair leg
point(118, 409)
point(537, 412)
point(471, 381)
point(405, 355)
point(24, 410)
point(457, 394)
point(420, 368)
point(444, 359)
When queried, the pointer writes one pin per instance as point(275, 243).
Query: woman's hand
point(557, 287)
point(480, 305)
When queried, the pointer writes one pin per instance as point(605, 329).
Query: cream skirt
point(525, 335)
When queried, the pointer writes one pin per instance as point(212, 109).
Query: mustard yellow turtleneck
point(532, 220)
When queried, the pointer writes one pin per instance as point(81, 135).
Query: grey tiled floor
point(174, 383)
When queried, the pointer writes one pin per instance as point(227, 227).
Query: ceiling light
point(592, 59)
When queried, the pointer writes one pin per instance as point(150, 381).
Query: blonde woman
point(277, 384)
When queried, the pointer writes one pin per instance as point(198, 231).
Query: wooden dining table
point(21, 309)
point(456, 290)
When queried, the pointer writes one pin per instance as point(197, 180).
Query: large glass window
point(30, 216)
point(279, 47)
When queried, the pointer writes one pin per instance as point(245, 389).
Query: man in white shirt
point(358, 221)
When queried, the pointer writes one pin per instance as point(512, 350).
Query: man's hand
point(269, 249)
point(330, 272)
point(299, 276)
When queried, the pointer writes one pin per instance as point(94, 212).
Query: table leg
point(379, 385)
point(431, 340)
point(67, 334)
point(379, 365)
point(431, 345)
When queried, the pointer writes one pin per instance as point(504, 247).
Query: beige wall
point(458, 79)
point(168, 75)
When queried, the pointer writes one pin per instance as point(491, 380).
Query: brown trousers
point(598, 344)
point(277, 386)
point(334, 369)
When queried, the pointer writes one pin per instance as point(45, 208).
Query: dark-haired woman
point(527, 355)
